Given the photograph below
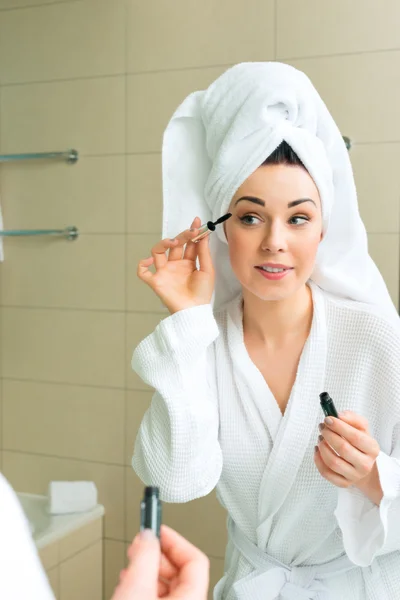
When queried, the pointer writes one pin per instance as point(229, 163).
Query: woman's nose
point(275, 239)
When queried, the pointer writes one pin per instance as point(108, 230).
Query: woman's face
point(274, 231)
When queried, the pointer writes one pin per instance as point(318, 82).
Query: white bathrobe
point(214, 422)
point(22, 576)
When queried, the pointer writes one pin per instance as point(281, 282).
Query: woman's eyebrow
point(251, 199)
point(262, 203)
point(300, 201)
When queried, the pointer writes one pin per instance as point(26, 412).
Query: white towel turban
point(218, 137)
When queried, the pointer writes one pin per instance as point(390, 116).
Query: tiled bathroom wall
point(104, 77)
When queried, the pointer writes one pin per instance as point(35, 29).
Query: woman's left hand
point(355, 461)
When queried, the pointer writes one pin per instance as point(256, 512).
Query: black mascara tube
point(327, 405)
point(150, 510)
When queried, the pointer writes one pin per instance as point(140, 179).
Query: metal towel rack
point(347, 141)
point(70, 233)
point(70, 156)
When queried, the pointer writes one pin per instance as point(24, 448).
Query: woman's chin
point(273, 291)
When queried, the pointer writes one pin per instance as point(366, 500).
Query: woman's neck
point(277, 322)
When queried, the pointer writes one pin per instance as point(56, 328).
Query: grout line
point(124, 432)
point(200, 67)
point(156, 313)
point(398, 307)
point(66, 384)
point(55, 80)
point(1, 317)
point(193, 68)
point(38, 5)
point(121, 465)
point(81, 385)
point(275, 29)
point(340, 54)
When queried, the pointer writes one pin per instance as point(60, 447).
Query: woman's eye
point(298, 220)
point(249, 220)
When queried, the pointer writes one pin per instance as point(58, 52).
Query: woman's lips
point(274, 275)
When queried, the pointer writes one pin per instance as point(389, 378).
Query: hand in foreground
point(176, 571)
point(177, 280)
point(346, 454)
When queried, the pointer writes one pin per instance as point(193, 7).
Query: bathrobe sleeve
point(21, 572)
point(177, 447)
point(370, 530)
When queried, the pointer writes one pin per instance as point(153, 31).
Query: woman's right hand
point(177, 281)
point(176, 571)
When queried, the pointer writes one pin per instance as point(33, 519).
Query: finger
point(355, 420)
point(163, 589)
point(176, 253)
point(192, 564)
point(357, 438)
point(143, 271)
point(141, 577)
point(204, 254)
point(167, 569)
point(159, 252)
point(362, 462)
point(122, 574)
point(335, 463)
point(191, 249)
point(327, 473)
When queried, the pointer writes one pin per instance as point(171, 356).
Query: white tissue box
point(65, 497)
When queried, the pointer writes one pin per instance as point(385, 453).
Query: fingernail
point(191, 229)
point(328, 421)
point(147, 535)
point(315, 448)
point(173, 239)
point(320, 438)
point(321, 426)
point(342, 414)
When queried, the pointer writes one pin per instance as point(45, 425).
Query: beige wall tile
point(139, 326)
point(53, 576)
point(385, 251)
point(345, 84)
point(89, 194)
point(216, 573)
point(114, 561)
point(141, 297)
point(81, 576)
point(87, 273)
point(134, 493)
point(80, 539)
point(64, 420)
point(81, 347)
point(198, 34)
point(312, 28)
point(144, 193)
point(32, 473)
point(202, 521)
point(50, 556)
point(377, 179)
point(136, 405)
point(88, 115)
point(77, 48)
point(152, 100)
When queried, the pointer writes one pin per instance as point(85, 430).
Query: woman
point(176, 571)
point(299, 308)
